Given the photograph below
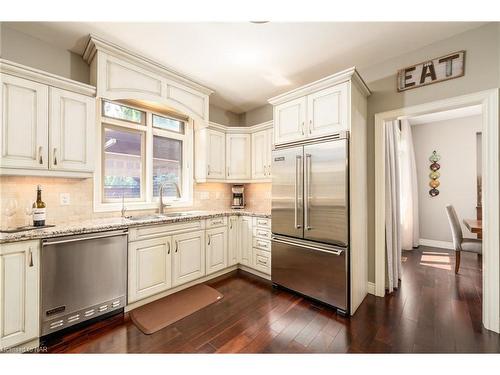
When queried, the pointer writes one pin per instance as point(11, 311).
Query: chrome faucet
point(161, 188)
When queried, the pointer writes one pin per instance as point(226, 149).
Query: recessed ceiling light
point(259, 22)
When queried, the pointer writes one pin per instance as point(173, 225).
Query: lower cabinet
point(19, 293)
point(188, 257)
point(262, 261)
point(246, 238)
point(216, 255)
point(233, 243)
point(149, 267)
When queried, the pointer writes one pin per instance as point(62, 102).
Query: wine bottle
point(39, 209)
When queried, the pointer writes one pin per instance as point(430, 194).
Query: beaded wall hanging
point(434, 175)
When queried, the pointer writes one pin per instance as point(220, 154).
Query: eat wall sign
point(432, 71)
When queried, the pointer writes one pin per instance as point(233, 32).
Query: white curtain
point(392, 206)
point(410, 233)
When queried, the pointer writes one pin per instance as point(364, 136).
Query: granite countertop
point(102, 225)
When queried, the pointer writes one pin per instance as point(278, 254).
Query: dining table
point(474, 226)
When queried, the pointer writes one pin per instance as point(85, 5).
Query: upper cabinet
point(261, 154)
point(72, 131)
point(25, 130)
point(122, 74)
point(317, 110)
point(290, 120)
point(238, 162)
point(216, 154)
point(48, 124)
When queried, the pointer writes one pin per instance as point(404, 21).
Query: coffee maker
point(238, 197)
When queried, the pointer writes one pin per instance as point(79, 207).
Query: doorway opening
point(435, 197)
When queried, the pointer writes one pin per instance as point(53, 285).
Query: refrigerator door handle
point(333, 252)
point(307, 191)
point(298, 162)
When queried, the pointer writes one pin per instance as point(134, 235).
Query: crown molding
point(97, 44)
point(350, 74)
point(240, 129)
point(26, 72)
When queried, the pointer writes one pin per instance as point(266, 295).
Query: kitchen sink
point(145, 217)
point(178, 214)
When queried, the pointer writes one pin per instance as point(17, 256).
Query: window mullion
point(149, 158)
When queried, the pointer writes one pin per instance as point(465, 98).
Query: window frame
point(147, 200)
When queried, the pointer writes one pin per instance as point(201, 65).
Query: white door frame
point(489, 101)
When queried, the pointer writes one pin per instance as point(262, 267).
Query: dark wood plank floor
point(434, 311)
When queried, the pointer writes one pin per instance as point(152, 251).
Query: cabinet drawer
point(216, 222)
point(262, 233)
point(262, 261)
point(262, 222)
point(262, 244)
point(159, 230)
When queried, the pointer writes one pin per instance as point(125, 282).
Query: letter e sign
point(432, 71)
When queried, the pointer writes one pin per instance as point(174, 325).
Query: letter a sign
point(432, 71)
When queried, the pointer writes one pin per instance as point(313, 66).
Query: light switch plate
point(64, 199)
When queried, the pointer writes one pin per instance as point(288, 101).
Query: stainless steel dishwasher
point(82, 277)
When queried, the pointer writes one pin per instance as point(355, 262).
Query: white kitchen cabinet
point(72, 123)
point(24, 123)
point(290, 120)
point(269, 149)
point(216, 159)
point(238, 157)
point(216, 253)
point(149, 267)
point(262, 261)
point(246, 238)
point(188, 257)
point(19, 293)
point(327, 111)
point(233, 243)
point(261, 155)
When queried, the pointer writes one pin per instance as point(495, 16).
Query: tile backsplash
point(208, 196)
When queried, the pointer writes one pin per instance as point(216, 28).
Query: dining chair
point(460, 243)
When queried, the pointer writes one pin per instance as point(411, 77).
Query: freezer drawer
point(312, 270)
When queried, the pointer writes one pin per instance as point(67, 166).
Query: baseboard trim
point(254, 271)
point(435, 243)
point(371, 288)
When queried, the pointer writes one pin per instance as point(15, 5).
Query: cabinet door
point(269, 149)
point(233, 243)
point(216, 258)
point(327, 111)
point(24, 123)
point(149, 268)
point(259, 155)
point(246, 240)
point(216, 167)
point(19, 293)
point(238, 159)
point(289, 121)
point(72, 129)
point(189, 257)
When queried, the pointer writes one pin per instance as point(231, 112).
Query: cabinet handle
point(30, 257)
point(228, 171)
point(230, 224)
point(310, 126)
point(176, 246)
point(209, 240)
point(55, 155)
point(302, 127)
point(168, 243)
point(208, 169)
point(40, 157)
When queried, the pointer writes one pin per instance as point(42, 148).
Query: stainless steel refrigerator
point(310, 220)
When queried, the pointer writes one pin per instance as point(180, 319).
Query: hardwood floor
point(434, 311)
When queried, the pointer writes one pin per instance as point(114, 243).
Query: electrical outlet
point(64, 199)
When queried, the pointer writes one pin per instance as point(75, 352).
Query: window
point(167, 123)
point(122, 151)
point(142, 151)
point(121, 112)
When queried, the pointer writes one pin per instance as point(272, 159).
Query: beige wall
point(257, 115)
point(455, 141)
point(27, 50)
point(224, 117)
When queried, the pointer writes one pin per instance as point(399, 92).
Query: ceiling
point(247, 63)
point(462, 112)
